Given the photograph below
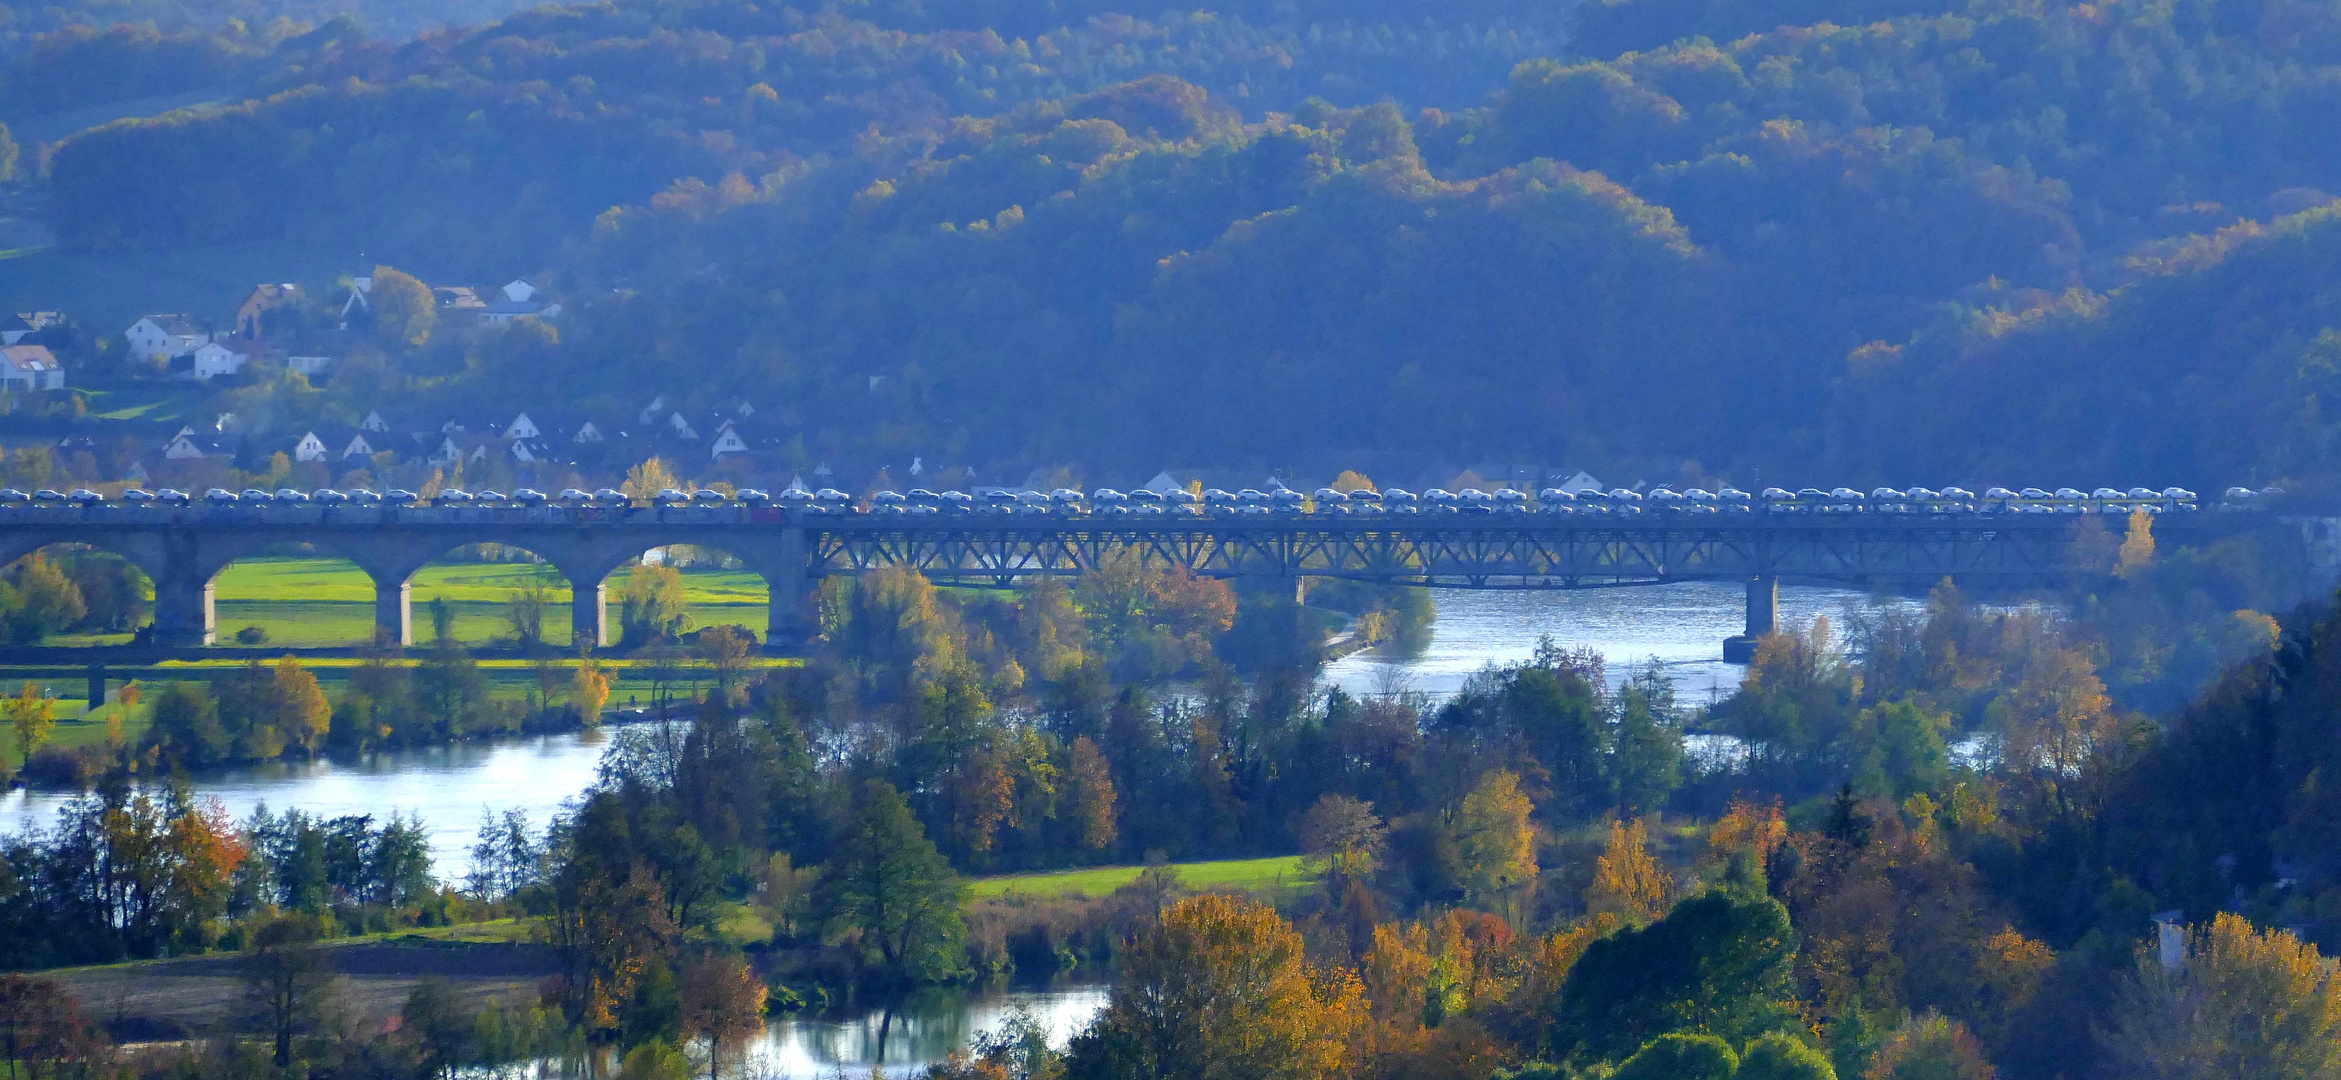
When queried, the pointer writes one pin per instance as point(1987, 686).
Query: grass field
point(1266, 873)
point(306, 602)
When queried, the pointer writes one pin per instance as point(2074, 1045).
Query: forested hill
point(1897, 237)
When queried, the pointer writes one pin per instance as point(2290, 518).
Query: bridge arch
point(686, 554)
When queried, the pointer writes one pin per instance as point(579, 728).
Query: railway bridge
point(183, 548)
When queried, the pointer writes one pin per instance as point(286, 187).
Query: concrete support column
point(394, 613)
point(791, 622)
point(589, 612)
point(1763, 606)
point(1763, 619)
point(183, 616)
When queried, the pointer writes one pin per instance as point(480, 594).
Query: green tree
point(284, 969)
point(1718, 964)
point(889, 883)
point(1681, 1057)
point(405, 312)
point(187, 727)
point(1782, 1057)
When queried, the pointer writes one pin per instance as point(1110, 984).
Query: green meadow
point(1246, 874)
point(311, 602)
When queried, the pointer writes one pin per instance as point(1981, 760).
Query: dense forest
point(1661, 238)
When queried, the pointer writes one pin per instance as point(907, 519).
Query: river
point(1681, 626)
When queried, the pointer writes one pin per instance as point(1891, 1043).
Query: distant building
point(15, 328)
point(374, 423)
point(255, 308)
point(683, 428)
point(1579, 484)
point(310, 448)
point(166, 337)
point(30, 367)
point(520, 299)
point(214, 359)
point(360, 289)
point(728, 442)
point(522, 427)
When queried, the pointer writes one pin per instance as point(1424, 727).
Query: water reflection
point(921, 1030)
point(1681, 625)
point(448, 786)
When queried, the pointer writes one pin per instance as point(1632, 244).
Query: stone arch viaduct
point(183, 548)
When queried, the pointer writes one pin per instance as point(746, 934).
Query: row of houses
point(263, 327)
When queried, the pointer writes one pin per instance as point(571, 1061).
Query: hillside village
point(313, 387)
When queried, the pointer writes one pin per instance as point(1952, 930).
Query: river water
point(1681, 626)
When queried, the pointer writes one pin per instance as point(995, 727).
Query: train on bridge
point(1465, 539)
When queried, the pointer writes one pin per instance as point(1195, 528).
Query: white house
point(1580, 483)
point(30, 367)
point(520, 290)
point(184, 446)
point(520, 299)
point(360, 289)
point(521, 427)
point(650, 412)
point(728, 441)
point(683, 428)
point(588, 433)
point(375, 423)
point(165, 337)
point(310, 448)
point(214, 359)
point(358, 448)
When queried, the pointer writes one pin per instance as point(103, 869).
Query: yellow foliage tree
point(1220, 990)
point(589, 690)
point(2239, 1002)
point(1628, 881)
point(302, 714)
point(2138, 547)
point(1497, 843)
point(32, 715)
point(647, 479)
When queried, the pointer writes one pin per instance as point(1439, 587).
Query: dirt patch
point(177, 999)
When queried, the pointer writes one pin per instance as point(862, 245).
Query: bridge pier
point(183, 612)
point(589, 612)
point(790, 622)
point(1763, 620)
point(394, 622)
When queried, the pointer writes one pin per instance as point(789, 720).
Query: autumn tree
point(1628, 881)
point(1495, 839)
point(723, 1002)
point(1088, 807)
point(42, 1027)
point(589, 691)
point(1220, 989)
point(654, 608)
point(2239, 1002)
point(1935, 1047)
point(301, 713)
point(32, 716)
point(1341, 841)
point(405, 311)
point(651, 476)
